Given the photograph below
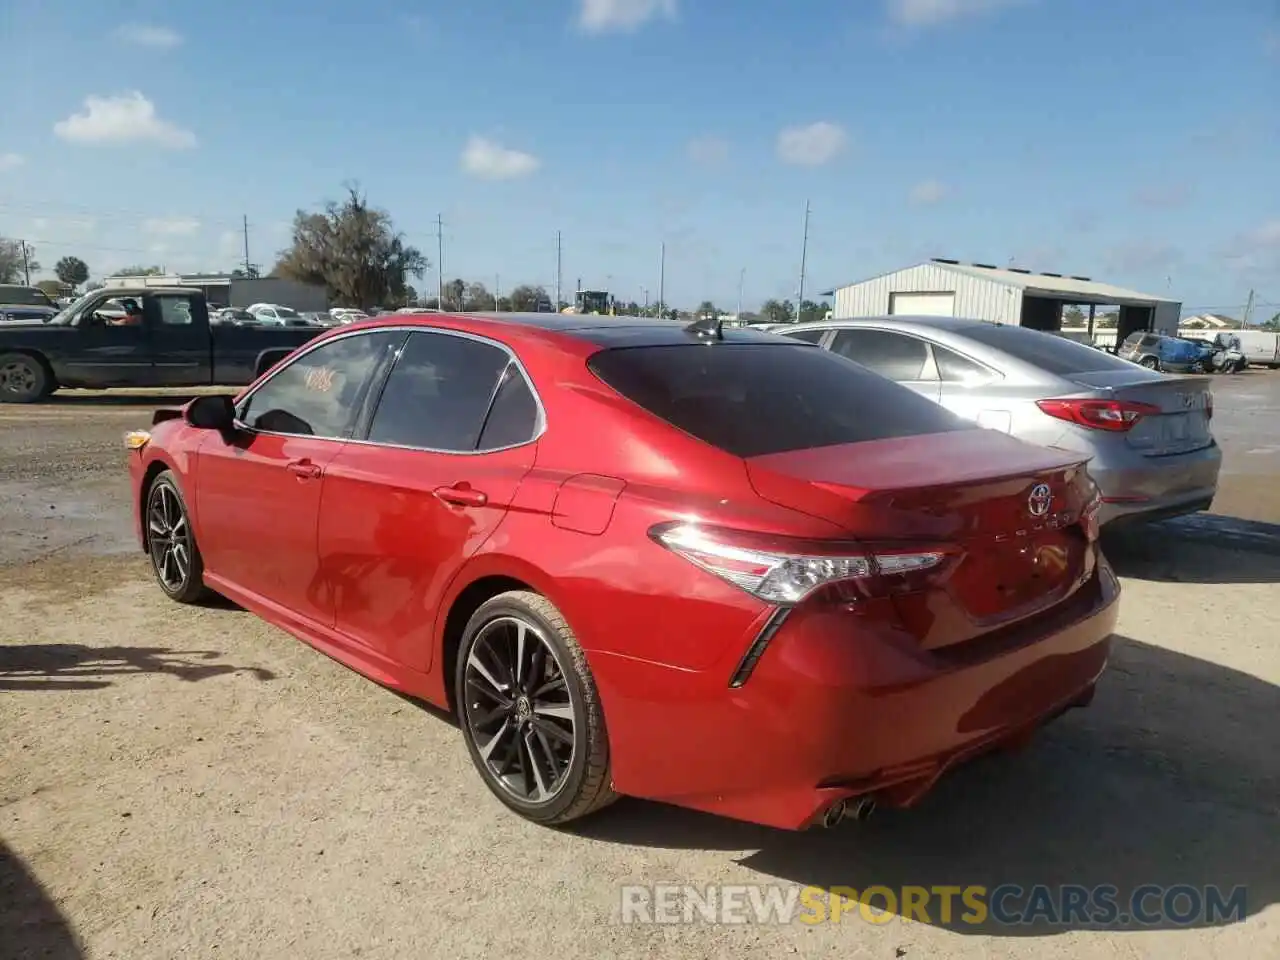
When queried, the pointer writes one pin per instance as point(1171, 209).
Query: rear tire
point(530, 711)
point(1151, 363)
point(171, 543)
point(23, 379)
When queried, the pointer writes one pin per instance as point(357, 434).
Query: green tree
point(774, 311)
point(526, 297)
point(477, 297)
point(707, 309)
point(138, 271)
point(811, 311)
point(352, 250)
point(17, 261)
point(1073, 317)
point(1108, 321)
point(72, 271)
point(1273, 323)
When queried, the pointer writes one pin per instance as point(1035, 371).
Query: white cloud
point(122, 118)
point(491, 161)
point(171, 226)
point(931, 13)
point(11, 161)
point(142, 35)
point(709, 151)
point(1165, 196)
point(606, 16)
point(928, 192)
point(812, 145)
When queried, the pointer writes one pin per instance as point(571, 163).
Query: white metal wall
point(975, 297)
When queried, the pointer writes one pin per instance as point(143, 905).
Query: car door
point(427, 484)
point(106, 353)
point(900, 357)
point(258, 491)
point(178, 328)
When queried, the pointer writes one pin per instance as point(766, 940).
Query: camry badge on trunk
point(1040, 500)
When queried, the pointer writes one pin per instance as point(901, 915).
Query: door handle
point(461, 495)
point(303, 469)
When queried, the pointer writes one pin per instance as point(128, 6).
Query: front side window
point(438, 394)
point(892, 355)
point(320, 394)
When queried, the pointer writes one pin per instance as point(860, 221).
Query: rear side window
point(1053, 354)
point(954, 368)
point(811, 336)
point(513, 418)
point(755, 399)
point(892, 355)
point(438, 393)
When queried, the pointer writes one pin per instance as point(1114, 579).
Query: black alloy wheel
point(175, 557)
point(530, 712)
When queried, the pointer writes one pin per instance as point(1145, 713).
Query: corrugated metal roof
point(1050, 284)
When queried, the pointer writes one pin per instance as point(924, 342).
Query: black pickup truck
point(172, 345)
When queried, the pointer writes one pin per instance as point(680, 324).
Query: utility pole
point(742, 277)
point(26, 261)
point(646, 300)
point(497, 285)
point(559, 273)
point(248, 269)
point(1248, 311)
point(662, 278)
point(439, 261)
point(804, 254)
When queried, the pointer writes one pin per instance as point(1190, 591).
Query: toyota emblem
point(1040, 500)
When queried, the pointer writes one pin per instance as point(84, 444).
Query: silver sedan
point(1152, 451)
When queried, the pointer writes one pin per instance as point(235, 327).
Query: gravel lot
point(181, 782)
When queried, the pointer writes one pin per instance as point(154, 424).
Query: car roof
point(588, 329)
point(955, 324)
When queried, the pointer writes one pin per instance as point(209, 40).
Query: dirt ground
point(180, 782)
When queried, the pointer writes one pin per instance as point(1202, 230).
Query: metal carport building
point(981, 291)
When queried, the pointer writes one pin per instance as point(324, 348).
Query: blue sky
point(1136, 141)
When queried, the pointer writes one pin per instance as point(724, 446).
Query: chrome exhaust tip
point(861, 809)
point(835, 813)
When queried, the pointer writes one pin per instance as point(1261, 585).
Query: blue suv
point(1158, 352)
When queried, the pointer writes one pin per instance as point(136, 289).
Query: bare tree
point(354, 252)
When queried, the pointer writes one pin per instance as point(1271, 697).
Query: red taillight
point(785, 572)
point(1117, 416)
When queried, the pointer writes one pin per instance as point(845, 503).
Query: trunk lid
point(1185, 404)
point(979, 493)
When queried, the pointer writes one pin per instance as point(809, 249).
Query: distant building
point(981, 291)
point(225, 290)
point(1212, 321)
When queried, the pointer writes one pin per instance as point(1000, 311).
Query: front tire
point(530, 711)
point(171, 543)
point(1151, 363)
point(23, 379)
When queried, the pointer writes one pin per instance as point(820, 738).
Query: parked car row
point(778, 578)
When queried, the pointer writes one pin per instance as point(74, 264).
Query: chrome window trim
point(540, 426)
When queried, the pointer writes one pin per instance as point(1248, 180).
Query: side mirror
point(211, 413)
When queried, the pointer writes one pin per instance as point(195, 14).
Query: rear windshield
point(25, 296)
point(755, 399)
point(1049, 352)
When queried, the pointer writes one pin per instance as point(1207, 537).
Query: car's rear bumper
point(837, 708)
point(1153, 488)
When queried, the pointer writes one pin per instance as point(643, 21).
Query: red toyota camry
point(716, 568)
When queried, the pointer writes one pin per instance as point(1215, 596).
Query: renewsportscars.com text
point(1007, 904)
